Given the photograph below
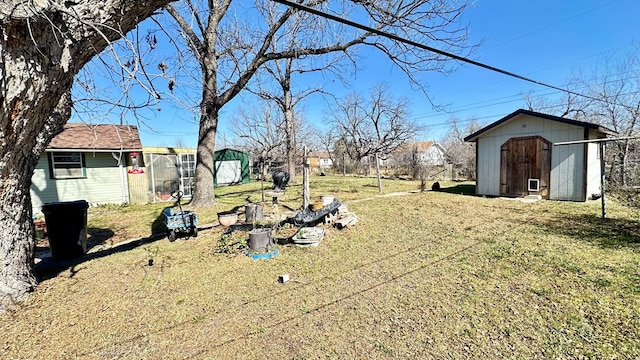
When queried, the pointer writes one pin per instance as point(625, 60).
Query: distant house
point(320, 161)
point(515, 156)
point(88, 162)
point(427, 153)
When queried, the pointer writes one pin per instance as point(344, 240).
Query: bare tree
point(570, 105)
point(326, 141)
point(43, 46)
point(260, 132)
point(372, 126)
point(618, 88)
point(287, 100)
point(423, 165)
point(613, 100)
point(282, 71)
point(230, 52)
point(460, 153)
point(338, 148)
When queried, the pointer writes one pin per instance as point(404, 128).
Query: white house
point(320, 161)
point(516, 156)
point(427, 153)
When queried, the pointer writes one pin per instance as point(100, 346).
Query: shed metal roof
point(473, 137)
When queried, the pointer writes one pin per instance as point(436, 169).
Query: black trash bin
point(66, 228)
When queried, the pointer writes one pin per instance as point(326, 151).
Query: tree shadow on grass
point(99, 237)
point(99, 245)
point(248, 193)
point(242, 193)
point(462, 189)
point(606, 233)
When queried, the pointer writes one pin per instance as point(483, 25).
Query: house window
point(67, 165)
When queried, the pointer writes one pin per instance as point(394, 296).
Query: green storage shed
point(230, 167)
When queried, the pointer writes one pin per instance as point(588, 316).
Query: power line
point(551, 25)
point(428, 48)
point(613, 78)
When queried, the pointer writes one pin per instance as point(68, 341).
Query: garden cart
point(179, 222)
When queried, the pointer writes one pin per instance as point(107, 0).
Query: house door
point(525, 167)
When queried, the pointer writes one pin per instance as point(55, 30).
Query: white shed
point(515, 156)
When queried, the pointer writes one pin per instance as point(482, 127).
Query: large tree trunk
point(16, 235)
point(204, 194)
point(290, 139)
point(289, 122)
point(43, 45)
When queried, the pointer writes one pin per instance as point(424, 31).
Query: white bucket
point(327, 199)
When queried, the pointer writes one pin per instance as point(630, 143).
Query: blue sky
point(546, 40)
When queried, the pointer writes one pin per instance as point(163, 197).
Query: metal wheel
point(194, 231)
point(172, 235)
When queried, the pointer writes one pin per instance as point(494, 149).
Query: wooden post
point(262, 179)
point(602, 180)
point(153, 178)
point(305, 179)
point(378, 174)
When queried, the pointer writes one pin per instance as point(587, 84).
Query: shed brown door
point(525, 163)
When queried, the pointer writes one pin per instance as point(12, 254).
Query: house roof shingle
point(103, 137)
point(319, 154)
point(420, 146)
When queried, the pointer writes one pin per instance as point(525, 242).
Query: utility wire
point(428, 48)
point(551, 25)
point(514, 98)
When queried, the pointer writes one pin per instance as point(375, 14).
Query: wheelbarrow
point(179, 222)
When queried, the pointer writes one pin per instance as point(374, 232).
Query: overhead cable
point(428, 48)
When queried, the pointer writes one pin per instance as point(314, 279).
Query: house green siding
point(103, 183)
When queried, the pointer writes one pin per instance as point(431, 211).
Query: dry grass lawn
point(424, 275)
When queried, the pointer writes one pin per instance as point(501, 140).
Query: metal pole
point(602, 180)
point(305, 179)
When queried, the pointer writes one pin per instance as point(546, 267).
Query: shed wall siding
point(488, 176)
point(566, 172)
point(102, 185)
point(566, 161)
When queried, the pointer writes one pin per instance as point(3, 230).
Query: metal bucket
point(253, 212)
point(260, 240)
